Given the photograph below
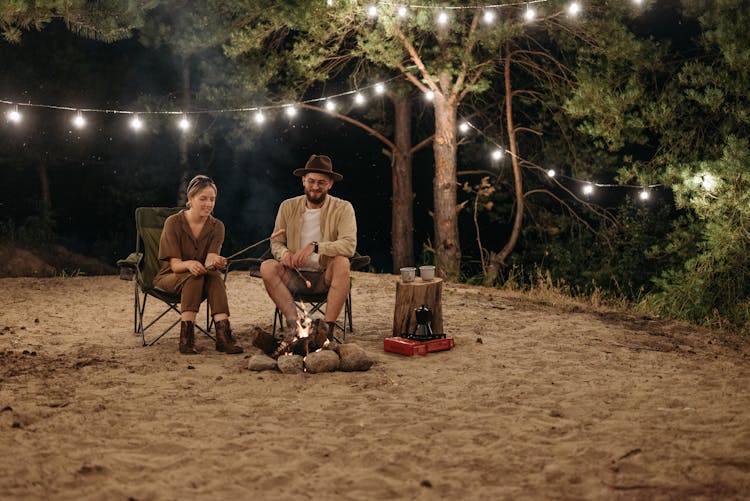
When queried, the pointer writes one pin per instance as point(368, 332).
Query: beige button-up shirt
point(338, 228)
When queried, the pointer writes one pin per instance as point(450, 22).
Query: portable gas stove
point(422, 341)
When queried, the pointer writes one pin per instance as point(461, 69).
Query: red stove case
point(411, 347)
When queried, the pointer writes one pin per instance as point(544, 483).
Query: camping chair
point(143, 265)
point(318, 302)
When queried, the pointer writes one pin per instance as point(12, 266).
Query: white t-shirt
point(311, 233)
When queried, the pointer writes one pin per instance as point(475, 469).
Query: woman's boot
point(224, 340)
point(187, 338)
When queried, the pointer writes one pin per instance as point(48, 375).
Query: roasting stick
point(273, 235)
point(307, 282)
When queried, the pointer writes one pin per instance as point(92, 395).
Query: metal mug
point(408, 273)
point(427, 273)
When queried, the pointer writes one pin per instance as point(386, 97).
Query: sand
point(536, 401)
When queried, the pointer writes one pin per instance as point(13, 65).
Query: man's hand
point(300, 257)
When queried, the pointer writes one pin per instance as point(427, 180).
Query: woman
point(189, 250)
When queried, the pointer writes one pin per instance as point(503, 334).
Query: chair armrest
point(358, 262)
point(129, 266)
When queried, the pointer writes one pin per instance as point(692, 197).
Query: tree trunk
point(517, 175)
point(447, 247)
point(412, 295)
point(402, 211)
point(44, 192)
point(184, 168)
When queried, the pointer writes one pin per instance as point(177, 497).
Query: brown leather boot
point(224, 340)
point(187, 338)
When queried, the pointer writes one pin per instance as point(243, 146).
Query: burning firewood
point(311, 335)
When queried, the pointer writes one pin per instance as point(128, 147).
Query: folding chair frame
point(317, 303)
point(134, 266)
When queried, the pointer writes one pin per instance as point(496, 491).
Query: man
point(312, 255)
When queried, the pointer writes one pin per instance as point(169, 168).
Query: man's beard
point(315, 201)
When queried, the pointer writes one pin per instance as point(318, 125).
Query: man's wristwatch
point(315, 247)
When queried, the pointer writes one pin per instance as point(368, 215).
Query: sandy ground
point(536, 401)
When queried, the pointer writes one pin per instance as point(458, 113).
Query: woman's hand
point(216, 262)
point(195, 268)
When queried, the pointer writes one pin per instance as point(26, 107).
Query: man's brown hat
point(321, 164)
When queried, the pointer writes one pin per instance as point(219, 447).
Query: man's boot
point(224, 340)
point(187, 338)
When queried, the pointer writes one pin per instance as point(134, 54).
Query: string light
point(588, 189)
point(402, 11)
point(574, 9)
point(379, 88)
point(78, 121)
point(429, 95)
point(330, 105)
point(443, 18)
point(259, 117)
point(184, 123)
point(497, 154)
point(372, 11)
point(530, 13)
point(551, 173)
point(489, 16)
point(464, 127)
point(329, 3)
point(14, 115)
point(136, 123)
point(290, 110)
point(359, 98)
point(643, 195)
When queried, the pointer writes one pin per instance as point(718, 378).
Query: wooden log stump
point(412, 295)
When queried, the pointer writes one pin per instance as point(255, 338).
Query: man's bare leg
point(337, 279)
point(272, 273)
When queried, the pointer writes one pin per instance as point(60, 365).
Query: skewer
point(273, 235)
point(307, 282)
point(212, 267)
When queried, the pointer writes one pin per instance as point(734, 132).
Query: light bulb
point(79, 121)
point(379, 88)
point(330, 105)
point(551, 173)
point(442, 18)
point(14, 116)
point(372, 11)
point(184, 123)
point(359, 98)
point(429, 95)
point(497, 154)
point(574, 9)
point(464, 127)
point(643, 194)
point(259, 117)
point(530, 13)
point(489, 16)
point(136, 123)
point(588, 189)
point(290, 111)
point(402, 11)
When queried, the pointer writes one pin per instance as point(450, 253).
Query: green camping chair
point(143, 265)
point(318, 302)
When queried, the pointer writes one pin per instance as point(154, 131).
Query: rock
point(261, 363)
point(353, 358)
point(291, 364)
point(322, 361)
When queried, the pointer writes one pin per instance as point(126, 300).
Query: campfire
point(310, 347)
point(312, 335)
